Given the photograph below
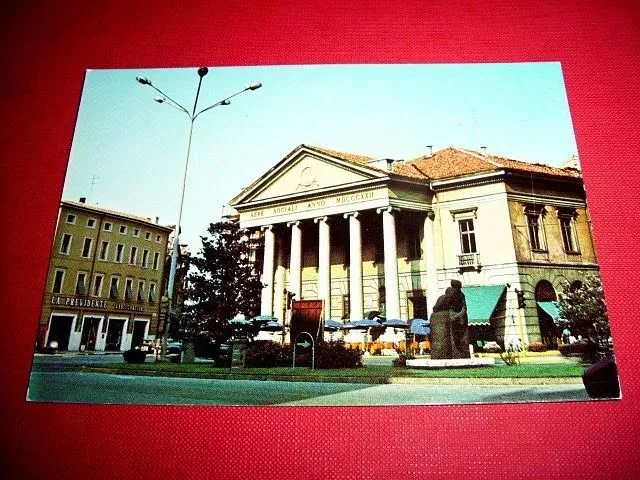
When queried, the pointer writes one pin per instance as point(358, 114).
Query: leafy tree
point(225, 283)
point(584, 308)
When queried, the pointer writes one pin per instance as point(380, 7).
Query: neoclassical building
point(365, 234)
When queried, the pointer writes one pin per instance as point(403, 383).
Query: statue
point(449, 325)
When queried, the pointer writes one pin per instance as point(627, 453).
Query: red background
point(46, 49)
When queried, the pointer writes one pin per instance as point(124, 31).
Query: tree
point(584, 308)
point(225, 283)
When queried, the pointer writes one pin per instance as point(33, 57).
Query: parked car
point(147, 346)
point(174, 349)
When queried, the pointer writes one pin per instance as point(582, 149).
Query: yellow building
point(364, 234)
point(105, 278)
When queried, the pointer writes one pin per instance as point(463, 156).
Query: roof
point(115, 213)
point(481, 302)
point(455, 161)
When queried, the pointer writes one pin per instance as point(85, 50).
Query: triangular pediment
point(307, 171)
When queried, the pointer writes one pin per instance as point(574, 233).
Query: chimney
point(484, 151)
point(429, 150)
point(83, 199)
point(157, 220)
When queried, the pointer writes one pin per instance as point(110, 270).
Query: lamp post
point(164, 98)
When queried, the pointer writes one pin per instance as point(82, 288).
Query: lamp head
point(225, 102)
point(143, 80)
point(202, 71)
point(159, 99)
point(254, 86)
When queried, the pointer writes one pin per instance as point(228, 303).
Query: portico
point(330, 227)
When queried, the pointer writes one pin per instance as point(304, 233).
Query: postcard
point(327, 235)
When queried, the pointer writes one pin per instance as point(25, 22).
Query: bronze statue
point(449, 325)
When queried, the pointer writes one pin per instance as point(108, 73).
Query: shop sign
point(78, 302)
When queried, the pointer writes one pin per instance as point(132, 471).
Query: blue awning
point(481, 302)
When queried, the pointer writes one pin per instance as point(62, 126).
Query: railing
point(469, 260)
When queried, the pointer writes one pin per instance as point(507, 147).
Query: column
point(429, 249)
point(392, 288)
point(356, 310)
point(295, 264)
point(324, 264)
point(266, 305)
point(279, 281)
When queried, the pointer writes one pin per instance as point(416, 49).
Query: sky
point(128, 152)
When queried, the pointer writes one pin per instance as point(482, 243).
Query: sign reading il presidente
point(309, 205)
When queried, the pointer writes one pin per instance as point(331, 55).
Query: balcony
point(469, 261)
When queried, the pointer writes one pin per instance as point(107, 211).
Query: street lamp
point(166, 99)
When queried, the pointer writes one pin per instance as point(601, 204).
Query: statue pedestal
point(451, 363)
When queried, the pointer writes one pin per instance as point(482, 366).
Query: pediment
point(307, 171)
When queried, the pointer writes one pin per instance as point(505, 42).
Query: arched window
point(575, 285)
point(545, 292)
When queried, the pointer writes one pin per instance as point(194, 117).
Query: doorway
point(60, 330)
point(137, 337)
point(114, 334)
point(90, 329)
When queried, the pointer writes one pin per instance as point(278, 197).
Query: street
point(56, 379)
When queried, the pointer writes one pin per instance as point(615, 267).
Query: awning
point(481, 302)
point(551, 309)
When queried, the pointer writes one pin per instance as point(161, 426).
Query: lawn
point(369, 374)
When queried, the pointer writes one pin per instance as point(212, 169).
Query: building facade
point(365, 234)
point(104, 282)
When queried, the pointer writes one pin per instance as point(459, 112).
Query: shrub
point(401, 361)
point(537, 347)
point(267, 354)
point(492, 347)
point(134, 356)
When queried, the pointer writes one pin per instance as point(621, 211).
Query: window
point(91, 222)
point(346, 307)
point(567, 228)
point(107, 226)
point(152, 292)
point(71, 219)
point(157, 238)
point(86, 247)
point(414, 249)
point(136, 232)
point(123, 229)
point(104, 250)
point(119, 252)
point(97, 285)
point(147, 236)
point(145, 258)
point(133, 256)
point(534, 216)
point(467, 236)
point(81, 283)
point(156, 258)
point(113, 289)
point(128, 289)
point(65, 246)
point(140, 291)
point(58, 281)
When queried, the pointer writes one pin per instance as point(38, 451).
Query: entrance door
point(306, 316)
point(114, 334)
point(139, 327)
point(60, 330)
point(416, 305)
point(90, 332)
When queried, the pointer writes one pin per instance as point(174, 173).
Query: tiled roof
point(360, 160)
point(453, 162)
point(98, 209)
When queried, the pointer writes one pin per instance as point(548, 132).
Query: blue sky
point(136, 147)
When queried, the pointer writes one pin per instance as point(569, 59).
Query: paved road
point(82, 387)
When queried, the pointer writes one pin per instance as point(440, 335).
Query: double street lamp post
point(164, 98)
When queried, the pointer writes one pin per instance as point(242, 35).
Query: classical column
point(295, 264)
point(266, 305)
point(392, 288)
point(356, 310)
point(279, 280)
point(324, 264)
point(429, 249)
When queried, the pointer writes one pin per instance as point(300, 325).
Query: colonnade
point(356, 297)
